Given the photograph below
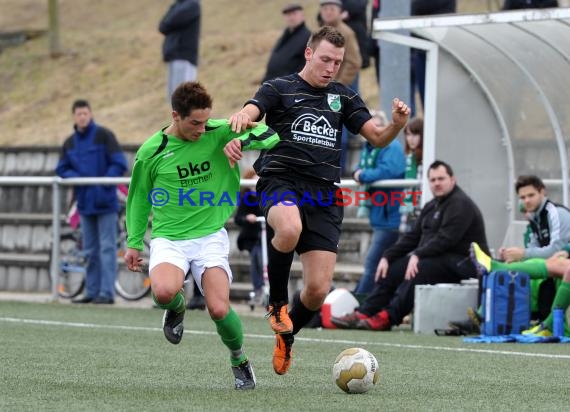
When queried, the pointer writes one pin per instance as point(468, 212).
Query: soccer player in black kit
point(307, 110)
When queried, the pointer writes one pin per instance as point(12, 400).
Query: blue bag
point(506, 303)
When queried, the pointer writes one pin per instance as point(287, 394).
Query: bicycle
point(131, 285)
point(73, 261)
point(73, 265)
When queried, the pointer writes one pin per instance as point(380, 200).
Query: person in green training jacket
point(557, 266)
point(182, 175)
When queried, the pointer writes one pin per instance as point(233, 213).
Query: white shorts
point(195, 255)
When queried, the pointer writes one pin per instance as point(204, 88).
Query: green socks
point(230, 330)
point(561, 300)
point(536, 268)
point(177, 304)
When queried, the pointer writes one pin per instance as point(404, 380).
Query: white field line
point(314, 340)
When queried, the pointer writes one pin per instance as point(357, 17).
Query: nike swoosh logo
point(299, 100)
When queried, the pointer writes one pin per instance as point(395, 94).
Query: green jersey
point(189, 186)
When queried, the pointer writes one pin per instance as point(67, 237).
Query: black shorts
point(321, 216)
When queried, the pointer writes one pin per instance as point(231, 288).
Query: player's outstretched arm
point(382, 136)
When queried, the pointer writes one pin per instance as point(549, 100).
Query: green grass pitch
point(60, 357)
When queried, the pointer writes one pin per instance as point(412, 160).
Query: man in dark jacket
point(528, 4)
point(427, 7)
point(91, 151)
point(288, 54)
point(181, 28)
point(435, 251)
point(418, 57)
point(354, 16)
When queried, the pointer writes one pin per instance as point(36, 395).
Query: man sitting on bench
point(435, 251)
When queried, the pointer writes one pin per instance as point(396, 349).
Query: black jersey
point(309, 122)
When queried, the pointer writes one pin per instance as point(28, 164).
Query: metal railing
point(57, 183)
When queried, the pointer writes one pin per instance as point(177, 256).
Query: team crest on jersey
point(334, 102)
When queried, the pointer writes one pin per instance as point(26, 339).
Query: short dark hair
point(328, 33)
point(529, 180)
point(189, 96)
point(80, 103)
point(439, 163)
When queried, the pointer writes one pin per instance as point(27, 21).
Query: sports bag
point(506, 303)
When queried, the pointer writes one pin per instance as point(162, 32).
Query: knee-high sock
point(230, 330)
point(177, 304)
point(278, 268)
point(300, 315)
point(536, 268)
point(561, 300)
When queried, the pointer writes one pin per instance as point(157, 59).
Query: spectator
point(354, 16)
point(528, 4)
point(181, 28)
point(288, 54)
point(331, 15)
point(418, 57)
point(91, 151)
point(435, 251)
point(187, 233)
point(414, 135)
point(549, 226)
point(374, 50)
point(249, 237)
point(428, 7)
point(379, 164)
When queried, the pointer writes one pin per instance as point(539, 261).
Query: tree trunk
point(54, 43)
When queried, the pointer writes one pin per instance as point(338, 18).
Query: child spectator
point(413, 149)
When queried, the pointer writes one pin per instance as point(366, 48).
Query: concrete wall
point(25, 223)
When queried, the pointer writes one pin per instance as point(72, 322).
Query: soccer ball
point(355, 370)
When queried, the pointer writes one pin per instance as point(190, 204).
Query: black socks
point(300, 315)
point(278, 268)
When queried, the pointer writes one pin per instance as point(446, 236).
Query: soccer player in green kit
point(182, 174)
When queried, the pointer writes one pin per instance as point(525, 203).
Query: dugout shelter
point(497, 103)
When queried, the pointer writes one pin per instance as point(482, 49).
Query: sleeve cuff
point(261, 109)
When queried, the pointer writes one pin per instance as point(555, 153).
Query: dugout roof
point(497, 101)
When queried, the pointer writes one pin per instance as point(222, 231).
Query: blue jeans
point(382, 239)
point(100, 242)
point(256, 267)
